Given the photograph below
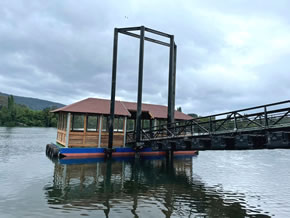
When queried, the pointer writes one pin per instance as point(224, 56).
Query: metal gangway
point(264, 126)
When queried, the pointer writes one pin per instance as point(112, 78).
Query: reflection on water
point(213, 184)
point(141, 188)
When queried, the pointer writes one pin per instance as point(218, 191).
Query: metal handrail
point(235, 121)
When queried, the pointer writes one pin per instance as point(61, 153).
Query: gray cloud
point(230, 54)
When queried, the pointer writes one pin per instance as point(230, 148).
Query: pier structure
point(265, 126)
point(83, 129)
point(259, 127)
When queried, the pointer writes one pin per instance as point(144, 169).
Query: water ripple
point(214, 184)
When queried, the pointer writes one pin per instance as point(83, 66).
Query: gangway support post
point(171, 81)
point(140, 83)
point(113, 91)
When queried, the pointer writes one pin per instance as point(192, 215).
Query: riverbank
point(14, 115)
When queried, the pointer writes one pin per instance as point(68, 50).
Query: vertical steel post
point(113, 91)
point(266, 117)
point(170, 114)
point(174, 80)
point(140, 82)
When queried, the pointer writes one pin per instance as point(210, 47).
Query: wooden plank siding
point(91, 139)
point(61, 136)
point(118, 139)
point(83, 139)
point(87, 139)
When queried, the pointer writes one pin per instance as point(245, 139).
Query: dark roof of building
point(122, 108)
point(156, 111)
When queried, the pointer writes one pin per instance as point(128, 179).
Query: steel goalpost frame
point(171, 77)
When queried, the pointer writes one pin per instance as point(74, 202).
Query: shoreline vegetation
point(19, 115)
point(15, 115)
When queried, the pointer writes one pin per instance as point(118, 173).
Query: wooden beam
point(100, 131)
point(125, 130)
point(67, 129)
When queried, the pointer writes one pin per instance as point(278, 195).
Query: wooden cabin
point(85, 123)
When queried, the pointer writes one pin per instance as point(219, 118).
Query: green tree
point(20, 115)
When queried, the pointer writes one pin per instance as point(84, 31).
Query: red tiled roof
point(94, 106)
point(102, 106)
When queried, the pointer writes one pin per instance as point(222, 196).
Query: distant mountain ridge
point(32, 103)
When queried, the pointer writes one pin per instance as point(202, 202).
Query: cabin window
point(92, 123)
point(145, 124)
point(105, 124)
point(61, 124)
point(118, 124)
point(58, 121)
point(130, 125)
point(121, 124)
point(181, 123)
point(162, 123)
point(64, 121)
point(78, 122)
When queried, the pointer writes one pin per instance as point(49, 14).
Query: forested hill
point(32, 103)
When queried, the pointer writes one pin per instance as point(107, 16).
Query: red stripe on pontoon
point(152, 153)
point(84, 154)
point(184, 152)
point(123, 154)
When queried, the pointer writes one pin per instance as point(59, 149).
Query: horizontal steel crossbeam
point(146, 38)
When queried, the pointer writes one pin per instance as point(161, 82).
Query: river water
point(252, 183)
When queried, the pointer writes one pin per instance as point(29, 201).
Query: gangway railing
point(258, 118)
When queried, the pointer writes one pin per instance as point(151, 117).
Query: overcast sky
point(231, 54)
